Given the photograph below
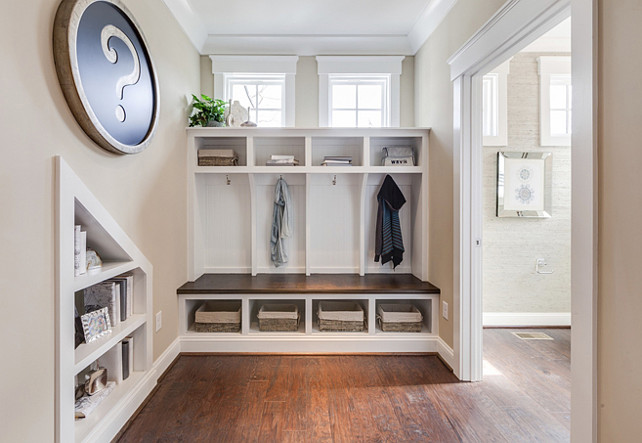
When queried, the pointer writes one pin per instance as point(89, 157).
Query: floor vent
point(532, 336)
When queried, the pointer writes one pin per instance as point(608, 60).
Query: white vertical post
point(362, 225)
point(253, 247)
point(307, 224)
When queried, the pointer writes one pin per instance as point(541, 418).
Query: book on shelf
point(122, 293)
point(337, 160)
point(282, 160)
point(104, 295)
point(86, 404)
point(126, 283)
point(282, 157)
point(80, 251)
point(127, 348)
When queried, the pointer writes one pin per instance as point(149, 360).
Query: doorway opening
point(526, 223)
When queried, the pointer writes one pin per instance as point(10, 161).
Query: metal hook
point(227, 180)
point(280, 177)
point(334, 180)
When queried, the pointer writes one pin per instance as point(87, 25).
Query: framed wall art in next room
point(106, 73)
point(524, 186)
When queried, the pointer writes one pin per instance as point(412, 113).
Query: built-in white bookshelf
point(230, 207)
point(76, 205)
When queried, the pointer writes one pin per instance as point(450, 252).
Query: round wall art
point(106, 73)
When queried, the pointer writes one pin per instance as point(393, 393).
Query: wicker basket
point(278, 317)
point(218, 161)
point(341, 316)
point(218, 316)
point(397, 317)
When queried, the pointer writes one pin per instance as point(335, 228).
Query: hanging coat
point(282, 223)
point(388, 240)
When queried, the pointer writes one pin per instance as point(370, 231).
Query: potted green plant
point(207, 111)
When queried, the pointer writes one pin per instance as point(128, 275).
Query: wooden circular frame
point(65, 57)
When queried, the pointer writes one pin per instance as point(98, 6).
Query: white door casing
point(517, 24)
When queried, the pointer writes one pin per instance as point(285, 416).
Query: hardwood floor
point(525, 396)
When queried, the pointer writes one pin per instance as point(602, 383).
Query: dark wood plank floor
point(525, 396)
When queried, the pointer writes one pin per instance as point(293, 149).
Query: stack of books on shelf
point(116, 294)
point(217, 157)
point(337, 160)
point(282, 160)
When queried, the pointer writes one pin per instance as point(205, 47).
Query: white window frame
point(358, 80)
point(552, 69)
point(266, 68)
point(498, 80)
point(257, 80)
point(360, 67)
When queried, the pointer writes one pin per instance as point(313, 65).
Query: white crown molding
point(430, 18)
point(307, 45)
point(265, 64)
point(191, 23)
point(360, 64)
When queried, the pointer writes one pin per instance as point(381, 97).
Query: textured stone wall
point(511, 246)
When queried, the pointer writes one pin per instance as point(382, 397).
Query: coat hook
point(334, 180)
point(227, 180)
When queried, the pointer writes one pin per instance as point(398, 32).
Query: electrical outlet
point(444, 310)
point(159, 320)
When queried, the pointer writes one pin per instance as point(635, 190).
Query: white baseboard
point(446, 353)
point(167, 357)
point(520, 319)
point(125, 408)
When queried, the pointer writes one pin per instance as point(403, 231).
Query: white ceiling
point(309, 27)
point(557, 39)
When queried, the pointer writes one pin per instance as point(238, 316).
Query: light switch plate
point(444, 310)
point(159, 320)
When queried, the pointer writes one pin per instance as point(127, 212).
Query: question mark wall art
point(106, 73)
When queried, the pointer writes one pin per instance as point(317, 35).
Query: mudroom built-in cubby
point(334, 212)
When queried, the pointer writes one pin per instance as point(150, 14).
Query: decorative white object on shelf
point(236, 114)
point(248, 123)
point(93, 260)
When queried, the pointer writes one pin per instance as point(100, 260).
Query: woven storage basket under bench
point(399, 317)
point(275, 317)
point(341, 316)
point(218, 316)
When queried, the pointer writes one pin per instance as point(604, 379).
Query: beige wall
point(307, 90)
point(619, 222)
point(145, 193)
point(434, 108)
point(512, 245)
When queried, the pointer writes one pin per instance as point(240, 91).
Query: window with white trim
point(264, 84)
point(361, 91)
point(359, 101)
point(555, 100)
point(262, 94)
point(494, 106)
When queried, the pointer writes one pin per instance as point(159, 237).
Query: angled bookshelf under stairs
point(76, 205)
